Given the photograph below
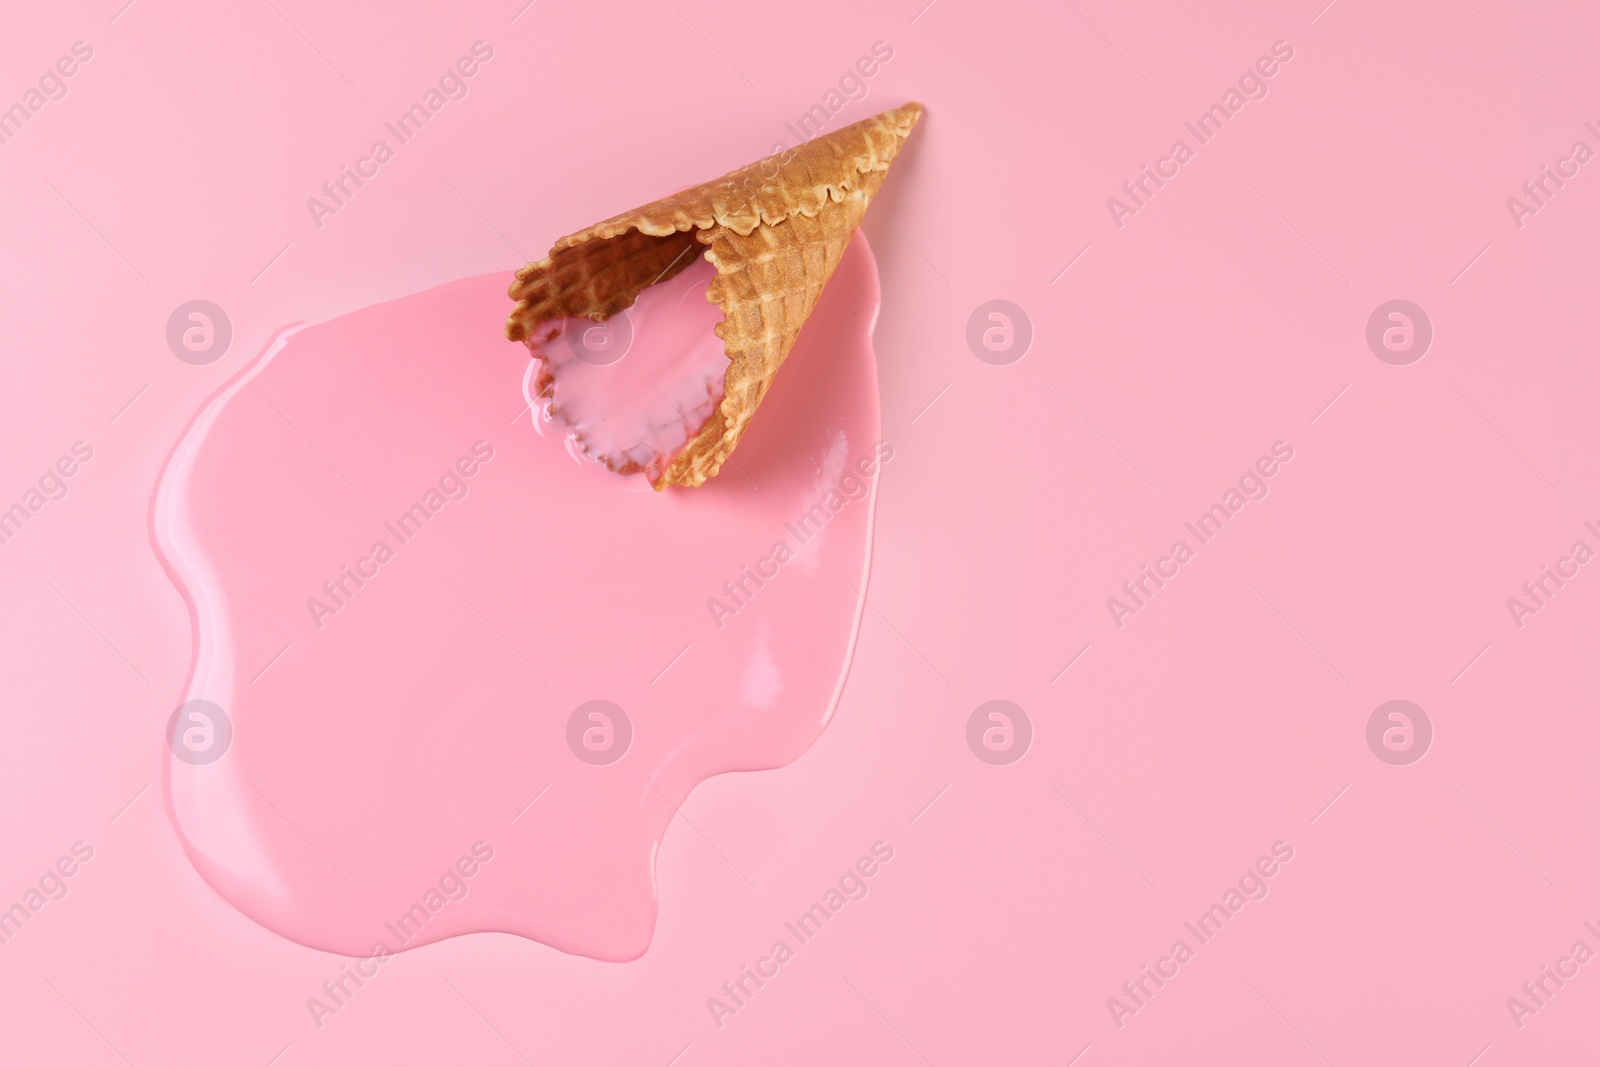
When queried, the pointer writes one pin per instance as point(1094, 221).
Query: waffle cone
point(774, 230)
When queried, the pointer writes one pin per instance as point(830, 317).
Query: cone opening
point(637, 368)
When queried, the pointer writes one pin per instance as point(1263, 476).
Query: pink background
point(1224, 717)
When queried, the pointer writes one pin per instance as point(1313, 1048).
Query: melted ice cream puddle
point(401, 664)
point(634, 389)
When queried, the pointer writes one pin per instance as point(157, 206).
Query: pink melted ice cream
point(468, 681)
point(632, 390)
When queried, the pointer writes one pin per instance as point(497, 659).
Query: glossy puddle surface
point(464, 679)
